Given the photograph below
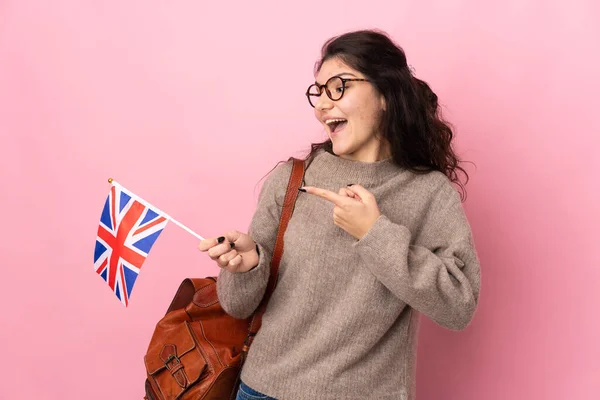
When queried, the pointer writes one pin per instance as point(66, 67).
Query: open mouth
point(336, 125)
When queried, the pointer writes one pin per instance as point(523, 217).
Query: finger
point(336, 213)
point(344, 192)
point(337, 220)
point(326, 194)
point(361, 192)
point(353, 195)
point(236, 261)
point(224, 259)
point(208, 243)
point(218, 250)
point(339, 213)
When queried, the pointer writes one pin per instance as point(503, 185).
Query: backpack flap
point(175, 362)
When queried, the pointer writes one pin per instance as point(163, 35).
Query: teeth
point(332, 121)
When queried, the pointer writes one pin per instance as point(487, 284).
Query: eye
point(337, 89)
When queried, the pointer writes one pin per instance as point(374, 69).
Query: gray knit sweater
point(344, 317)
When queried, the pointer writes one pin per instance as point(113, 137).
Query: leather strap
point(295, 182)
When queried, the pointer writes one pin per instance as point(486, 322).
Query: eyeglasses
point(334, 87)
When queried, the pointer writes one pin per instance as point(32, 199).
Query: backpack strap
point(294, 183)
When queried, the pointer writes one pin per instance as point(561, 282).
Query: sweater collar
point(344, 171)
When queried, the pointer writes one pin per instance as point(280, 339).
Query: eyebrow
point(343, 73)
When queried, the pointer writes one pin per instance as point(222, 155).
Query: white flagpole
point(144, 202)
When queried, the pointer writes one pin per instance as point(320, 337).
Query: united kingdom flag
point(128, 229)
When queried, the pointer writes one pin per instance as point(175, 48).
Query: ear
point(382, 103)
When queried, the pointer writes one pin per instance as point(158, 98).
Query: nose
point(323, 102)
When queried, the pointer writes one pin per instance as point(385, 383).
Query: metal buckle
point(171, 358)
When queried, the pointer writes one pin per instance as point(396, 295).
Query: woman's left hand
point(355, 208)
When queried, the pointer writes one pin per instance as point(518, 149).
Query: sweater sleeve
point(439, 276)
point(241, 293)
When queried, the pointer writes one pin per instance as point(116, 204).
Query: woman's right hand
point(235, 251)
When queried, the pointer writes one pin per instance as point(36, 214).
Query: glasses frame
point(324, 86)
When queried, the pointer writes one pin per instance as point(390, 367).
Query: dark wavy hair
point(420, 140)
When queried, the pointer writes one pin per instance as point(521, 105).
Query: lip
point(326, 117)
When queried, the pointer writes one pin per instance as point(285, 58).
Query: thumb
point(243, 242)
point(232, 236)
point(209, 243)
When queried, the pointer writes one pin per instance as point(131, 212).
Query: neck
point(378, 151)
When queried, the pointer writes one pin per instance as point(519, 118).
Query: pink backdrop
point(189, 104)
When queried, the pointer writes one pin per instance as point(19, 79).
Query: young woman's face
point(352, 122)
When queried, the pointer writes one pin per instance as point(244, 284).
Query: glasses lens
point(313, 95)
point(336, 87)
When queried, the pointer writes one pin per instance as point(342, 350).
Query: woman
point(377, 238)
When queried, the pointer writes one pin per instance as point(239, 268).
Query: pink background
point(189, 104)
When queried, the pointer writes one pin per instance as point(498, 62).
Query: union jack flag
point(128, 229)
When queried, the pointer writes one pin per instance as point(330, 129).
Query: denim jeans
point(247, 393)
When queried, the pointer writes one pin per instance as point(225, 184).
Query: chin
point(341, 150)
point(337, 149)
point(343, 145)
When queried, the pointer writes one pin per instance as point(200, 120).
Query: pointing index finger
point(326, 194)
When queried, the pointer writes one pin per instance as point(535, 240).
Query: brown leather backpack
point(197, 350)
